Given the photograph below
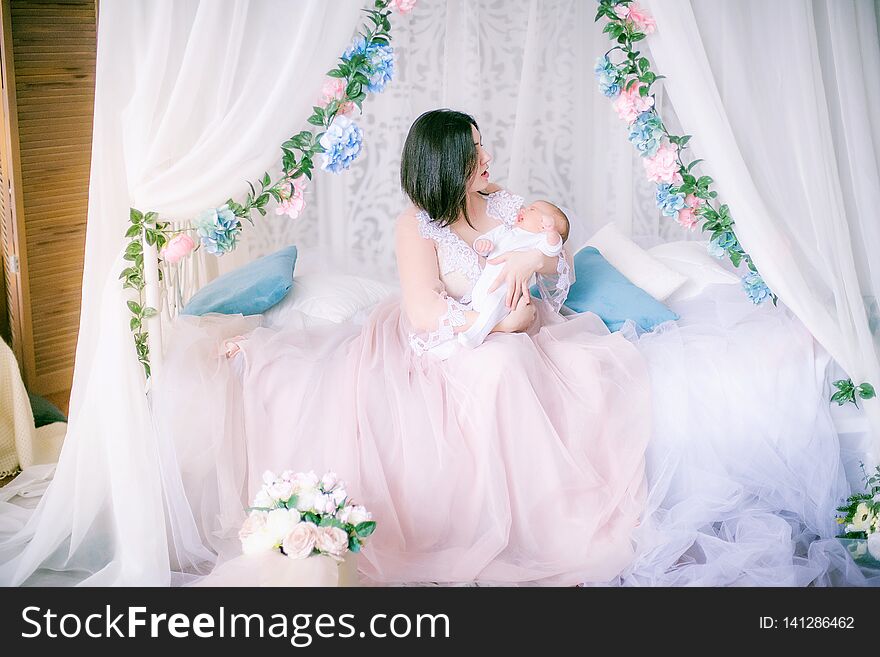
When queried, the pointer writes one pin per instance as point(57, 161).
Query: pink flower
point(402, 6)
point(332, 541)
point(334, 89)
point(630, 104)
point(642, 21)
point(663, 165)
point(292, 199)
point(692, 201)
point(230, 346)
point(687, 219)
point(622, 11)
point(177, 248)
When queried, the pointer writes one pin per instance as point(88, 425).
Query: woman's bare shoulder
point(408, 218)
point(407, 224)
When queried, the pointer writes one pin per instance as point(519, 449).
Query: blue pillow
point(248, 290)
point(600, 288)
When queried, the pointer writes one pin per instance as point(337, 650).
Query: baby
point(540, 225)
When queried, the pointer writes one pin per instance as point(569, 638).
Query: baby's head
point(532, 218)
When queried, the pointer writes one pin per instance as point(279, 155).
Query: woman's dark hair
point(439, 158)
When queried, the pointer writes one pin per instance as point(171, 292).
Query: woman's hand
point(519, 319)
point(519, 267)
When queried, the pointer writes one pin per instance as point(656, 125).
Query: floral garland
point(680, 193)
point(367, 66)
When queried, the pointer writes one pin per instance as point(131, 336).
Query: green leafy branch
point(847, 392)
point(297, 159)
point(156, 233)
point(716, 219)
point(298, 153)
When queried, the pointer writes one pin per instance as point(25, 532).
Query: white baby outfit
point(491, 305)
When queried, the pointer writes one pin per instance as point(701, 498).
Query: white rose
point(254, 534)
point(281, 490)
point(355, 515)
point(332, 541)
point(874, 545)
point(305, 500)
point(280, 522)
point(862, 519)
point(329, 481)
point(269, 477)
point(305, 482)
point(339, 495)
point(324, 503)
point(263, 501)
point(300, 542)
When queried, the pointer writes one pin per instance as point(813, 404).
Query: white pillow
point(636, 264)
point(326, 298)
point(692, 260)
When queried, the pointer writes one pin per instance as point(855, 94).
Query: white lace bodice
point(459, 264)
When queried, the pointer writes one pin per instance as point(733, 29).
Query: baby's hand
point(483, 246)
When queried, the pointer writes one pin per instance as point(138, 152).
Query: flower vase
point(273, 569)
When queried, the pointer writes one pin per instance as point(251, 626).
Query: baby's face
point(533, 217)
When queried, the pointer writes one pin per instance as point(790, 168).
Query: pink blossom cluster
point(334, 89)
point(662, 167)
point(687, 216)
point(640, 18)
point(402, 6)
point(177, 248)
point(630, 104)
point(292, 196)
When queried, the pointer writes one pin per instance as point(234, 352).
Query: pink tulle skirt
point(521, 461)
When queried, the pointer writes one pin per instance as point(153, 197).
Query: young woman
point(519, 461)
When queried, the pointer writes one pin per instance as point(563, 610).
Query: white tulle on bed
point(743, 466)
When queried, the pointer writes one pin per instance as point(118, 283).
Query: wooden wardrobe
point(48, 80)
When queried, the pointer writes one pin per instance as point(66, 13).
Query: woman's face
point(480, 180)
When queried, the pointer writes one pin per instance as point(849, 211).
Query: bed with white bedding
point(744, 467)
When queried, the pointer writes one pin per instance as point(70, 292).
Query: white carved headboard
point(170, 293)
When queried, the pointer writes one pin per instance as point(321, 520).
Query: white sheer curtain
point(193, 99)
point(782, 99)
point(524, 69)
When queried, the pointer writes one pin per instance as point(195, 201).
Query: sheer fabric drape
point(192, 99)
point(782, 99)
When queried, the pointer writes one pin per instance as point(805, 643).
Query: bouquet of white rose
point(302, 515)
point(860, 517)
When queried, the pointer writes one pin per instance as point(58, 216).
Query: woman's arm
point(555, 276)
point(419, 271)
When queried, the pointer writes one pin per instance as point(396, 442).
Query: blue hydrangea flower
point(645, 133)
point(726, 240)
point(755, 288)
point(716, 250)
point(669, 204)
point(608, 76)
point(342, 143)
point(380, 62)
point(218, 229)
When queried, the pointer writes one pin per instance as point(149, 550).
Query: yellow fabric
point(16, 418)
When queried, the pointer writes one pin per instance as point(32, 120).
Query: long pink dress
point(520, 461)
